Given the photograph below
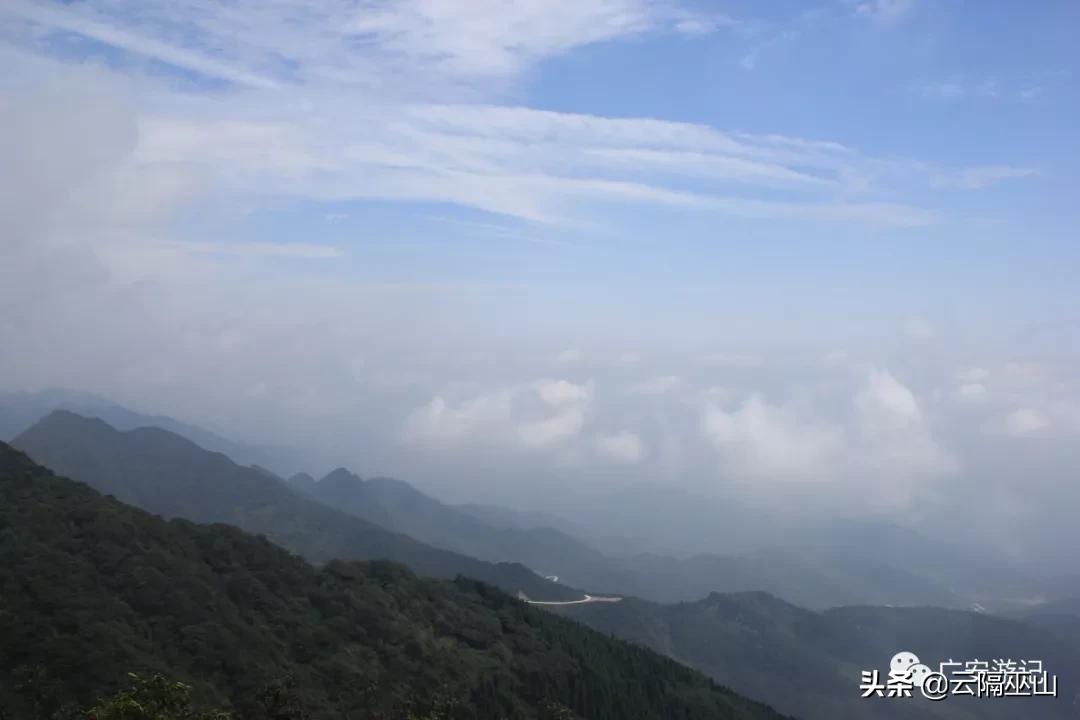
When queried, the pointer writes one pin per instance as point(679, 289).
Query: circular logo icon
point(917, 674)
point(902, 662)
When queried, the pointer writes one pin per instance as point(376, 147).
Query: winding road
point(586, 599)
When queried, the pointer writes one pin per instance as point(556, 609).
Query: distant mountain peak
point(339, 475)
point(746, 597)
point(394, 485)
point(68, 418)
point(21, 410)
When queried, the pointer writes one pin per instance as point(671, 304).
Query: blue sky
point(676, 240)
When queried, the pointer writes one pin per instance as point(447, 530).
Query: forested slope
point(91, 588)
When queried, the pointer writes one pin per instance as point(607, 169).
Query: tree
point(153, 698)
point(280, 700)
point(555, 711)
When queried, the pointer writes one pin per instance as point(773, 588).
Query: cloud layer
point(342, 101)
point(152, 152)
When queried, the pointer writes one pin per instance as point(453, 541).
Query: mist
point(218, 251)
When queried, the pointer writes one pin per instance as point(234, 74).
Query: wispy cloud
point(487, 37)
point(329, 110)
point(530, 164)
point(306, 251)
point(958, 87)
point(258, 44)
point(884, 11)
point(691, 23)
point(58, 17)
point(976, 178)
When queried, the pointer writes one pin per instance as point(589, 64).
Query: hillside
point(93, 588)
point(130, 464)
point(396, 505)
point(168, 475)
point(807, 576)
point(813, 577)
point(747, 640)
point(503, 517)
point(808, 663)
point(20, 410)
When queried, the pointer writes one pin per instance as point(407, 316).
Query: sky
point(808, 255)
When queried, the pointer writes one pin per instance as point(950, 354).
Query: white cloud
point(729, 360)
point(1022, 398)
point(884, 404)
point(561, 392)
point(919, 329)
point(973, 392)
point(1024, 422)
point(885, 446)
point(540, 415)
point(973, 375)
point(370, 43)
point(887, 11)
point(346, 124)
point(489, 37)
point(721, 394)
point(695, 26)
point(976, 178)
point(623, 448)
point(440, 423)
point(761, 440)
point(691, 23)
point(661, 385)
point(564, 425)
point(306, 251)
point(570, 356)
point(1025, 376)
point(79, 21)
point(873, 429)
point(959, 87)
point(893, 439)
point(346, 42)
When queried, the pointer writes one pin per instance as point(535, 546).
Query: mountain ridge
point(94, 588)
point(808, 663)
point(20, 410)
point(166, 474)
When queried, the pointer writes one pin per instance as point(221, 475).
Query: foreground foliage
point(153, 698)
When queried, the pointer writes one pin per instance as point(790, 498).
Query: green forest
point(107, 611)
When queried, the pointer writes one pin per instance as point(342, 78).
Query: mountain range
point(844, 563)
point(20, 410)
point(805, 662)
point(816, 577)
point(399, 506)
point(809, 663)
point(166, 474)
point(94, 588)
